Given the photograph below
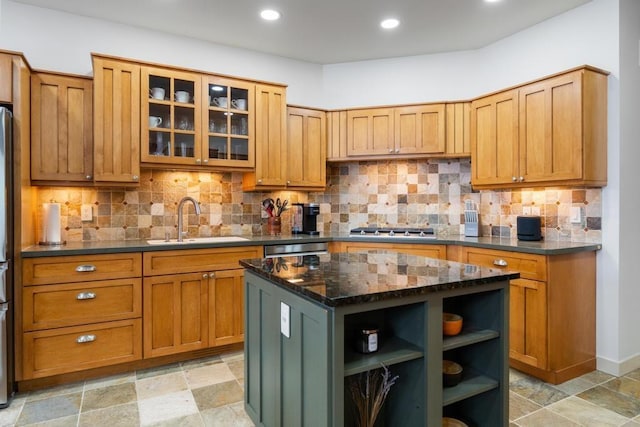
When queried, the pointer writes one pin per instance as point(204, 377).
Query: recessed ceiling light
point(270, 14)
point(491, 1)
point(390, 23)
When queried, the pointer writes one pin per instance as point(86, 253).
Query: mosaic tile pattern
point(420, 193)
point(209, 392)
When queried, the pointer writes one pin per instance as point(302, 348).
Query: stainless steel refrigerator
point(6, 256)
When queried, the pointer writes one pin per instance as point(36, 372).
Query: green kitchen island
point(303, 323)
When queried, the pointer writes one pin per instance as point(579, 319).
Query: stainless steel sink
point(220, 239)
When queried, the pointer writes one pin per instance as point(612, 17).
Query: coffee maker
point(305, 218)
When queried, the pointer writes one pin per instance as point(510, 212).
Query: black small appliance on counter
point(529, 228)
point(310, 212)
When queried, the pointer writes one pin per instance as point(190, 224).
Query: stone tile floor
point(209, 392)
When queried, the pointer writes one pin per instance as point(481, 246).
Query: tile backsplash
point(420, 193)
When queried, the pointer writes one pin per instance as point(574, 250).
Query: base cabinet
point(552, 311)
point(310, 372)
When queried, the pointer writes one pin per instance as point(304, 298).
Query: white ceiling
point(328, 31)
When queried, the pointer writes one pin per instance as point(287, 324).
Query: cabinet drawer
point(193, 260)
point(55, 306)
point(530, 266)
point(80, 268)
point(77, 348)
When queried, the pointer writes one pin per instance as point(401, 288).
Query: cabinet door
point(228, 123)
point(336, 135)
point(306, 143)
point(170, 117)
point(528, 322)
point(551, 129)
point(61, 128)
point(370, 132)
point(174, 313)
point(494, 139)
point(6, 78)
point(117, 121)
point(420, 129)
point(271, 139)
point(226, 307)
point(458, 128)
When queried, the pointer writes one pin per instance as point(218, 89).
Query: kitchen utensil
point(471, 222)
point(281, 206)
point(267, 204)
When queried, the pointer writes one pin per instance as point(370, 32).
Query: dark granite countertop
point(115, 246)
point(340, 279)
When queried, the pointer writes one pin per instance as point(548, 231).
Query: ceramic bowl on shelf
point(451, 373)
point(452, 422)
point(451, 324)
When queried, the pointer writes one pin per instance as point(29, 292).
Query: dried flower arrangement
point(369, 391)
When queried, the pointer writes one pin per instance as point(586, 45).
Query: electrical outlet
point(535, 210)
point(526, 210)
point(86, 213)
point(575, 216)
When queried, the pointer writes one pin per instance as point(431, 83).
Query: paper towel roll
point(51, 224)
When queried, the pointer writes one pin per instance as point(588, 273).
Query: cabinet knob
point(514, 179)
point(500, 263)
point(198, 161)
point(135, 177)
point(86, 268)
point(288, 182)
point(88, 177)
point(86, 295)
point(85, 338)
point(205, 276)
point(259, 181)
point(521, 178)
point(206, 161)
point(390, 150)
point(212, 275)
point(397, 151)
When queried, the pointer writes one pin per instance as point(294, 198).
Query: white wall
point(585, 35)
point(63, 42)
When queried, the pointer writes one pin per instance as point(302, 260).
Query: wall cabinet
point(550, 132)
point(61, 128)
point(116, 110)
point(6, 80)
point(458, 129)
point(193, 299)
point(552, 311)
point(80, 312)
point(271, 140)
point(306, 149)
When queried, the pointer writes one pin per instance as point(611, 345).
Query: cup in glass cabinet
point(182, 96)
point(155, 121)
point(220, 101)
point(239, 104)
point(157, 93)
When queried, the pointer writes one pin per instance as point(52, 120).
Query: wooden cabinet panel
point(175, 314)
point(458, 129)
point(70, 304)
point(370, 131)
point(61, 128)
point(190, 260)
point(117, 121)
point(6, 78)
point(306, 142)
point(80, 268)
point(494, 139)
point(58, 351)
point(528, 322)
point(226, 307)
point(336, 135)
point(271, 140)
point(530, 266)
point(420, 129)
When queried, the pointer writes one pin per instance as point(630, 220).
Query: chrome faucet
point(180, 218)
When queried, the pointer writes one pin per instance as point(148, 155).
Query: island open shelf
point(301, 323)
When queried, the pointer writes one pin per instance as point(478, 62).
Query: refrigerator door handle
point(4, 357)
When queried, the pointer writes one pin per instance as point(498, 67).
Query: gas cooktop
point(423, 233)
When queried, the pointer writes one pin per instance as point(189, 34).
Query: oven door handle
point(297, 254)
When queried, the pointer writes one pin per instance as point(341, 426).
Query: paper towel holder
point(51, 226)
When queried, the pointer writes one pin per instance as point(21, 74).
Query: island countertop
point(340, 279)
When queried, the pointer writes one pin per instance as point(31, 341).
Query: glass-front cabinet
point(228, 125)
point(170, 119)
point(193, 119)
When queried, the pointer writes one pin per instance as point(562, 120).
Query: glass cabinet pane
point(159, 143)
point(184, 91)
point(218, 147)
point(184, 146)
point(239, 149)
point(159, 88)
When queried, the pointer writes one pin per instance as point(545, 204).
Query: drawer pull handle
point(87, 268)
point(85, 338)
point(500, 263)
point(86, 295)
